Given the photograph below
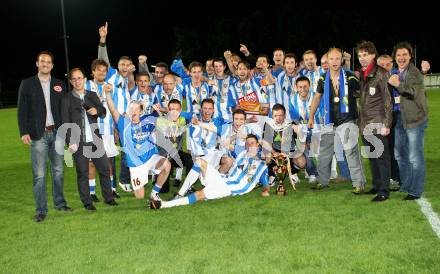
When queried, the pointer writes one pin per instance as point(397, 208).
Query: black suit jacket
point(73, 111)
point(31, 110)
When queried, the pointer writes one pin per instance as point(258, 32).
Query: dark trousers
point(379, 164)
point(113, 163)
point(124, 174)
point(186, 160)
point(394, 166)
point(82, 174)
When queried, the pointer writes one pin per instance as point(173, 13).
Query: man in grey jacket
point(411, 123)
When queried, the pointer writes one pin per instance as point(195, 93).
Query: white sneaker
point(333, 174)
point(126, 187)
point(312, 179)
point(294, 181)
point(271, 181)
point(295, 178)
point(392, 182)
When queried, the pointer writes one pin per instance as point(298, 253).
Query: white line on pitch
point(430, 214)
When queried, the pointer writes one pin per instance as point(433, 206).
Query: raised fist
point(142, 59)
point(227, 54)
point(244, 50)
point(103, 30)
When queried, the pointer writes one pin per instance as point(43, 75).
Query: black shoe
point(90, 207)
point(410, 197)
point(165, 188)
point(115, 194)
point(39, 217)
point(155, 204)
point(112, 203)
point(319, 186)
point(190, 190)
point(379, 198)
point(64, 208)
point(94, 198)
point(371, 192)
point(177, 183)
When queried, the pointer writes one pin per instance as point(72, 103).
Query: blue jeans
point(40, 150)
point(310, 166)
point(344, 171)
point(409, 152)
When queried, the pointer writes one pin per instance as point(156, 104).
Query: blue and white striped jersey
point(147, 99)
point(276, 70)
point(195, 95)
point(285, 89)
point(249, 91)
point(137, 139)
point(300, 109)
point(121, 95)
point(201, 141)
point(313, 76)
point(219, 92)
point(237, 138)
point(246, 173)
point(164, 98)
point(105, 124)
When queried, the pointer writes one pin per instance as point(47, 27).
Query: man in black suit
point(39, 116)
point(80, 110)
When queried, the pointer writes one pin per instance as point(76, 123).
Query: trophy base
point(281, 190)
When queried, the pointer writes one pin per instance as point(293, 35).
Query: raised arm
point(102, 48)
point(347, 60)
point(111, 105)
point(248, 55)
point(207, 126)
point(227, 54)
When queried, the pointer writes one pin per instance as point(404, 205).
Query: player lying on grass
point(248, 170)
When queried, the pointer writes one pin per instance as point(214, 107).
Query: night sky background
point(202, 30)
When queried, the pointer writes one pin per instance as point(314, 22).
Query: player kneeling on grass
point(248, 170)
point(280, 137)
point(140, 148)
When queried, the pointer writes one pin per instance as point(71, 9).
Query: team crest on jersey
point(372, 91)
point(57, 88)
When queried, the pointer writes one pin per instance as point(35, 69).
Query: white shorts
point(213, 157)
point(259, 125)
point(139, 174)
point(109, 146)
point(215, 184)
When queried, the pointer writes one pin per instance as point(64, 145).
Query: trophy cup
point(280, 170)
